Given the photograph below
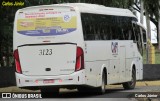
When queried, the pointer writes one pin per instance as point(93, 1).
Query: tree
point(6, 33)
point(159, 26)
point(141, 11)
point(151, 7)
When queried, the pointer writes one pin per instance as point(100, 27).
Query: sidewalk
point(148, 83)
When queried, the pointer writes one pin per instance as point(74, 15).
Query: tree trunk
point(158, 32)
point(142, 10)
point(148, 36)
point(141, 19)
point(148, 27)
point(7, 56)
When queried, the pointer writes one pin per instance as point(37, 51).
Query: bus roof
point(93, 8)
point(141, 25)
point(100, 9)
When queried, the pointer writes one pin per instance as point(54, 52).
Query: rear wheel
point(102, 88)
point(49, 92)
point(132, 83)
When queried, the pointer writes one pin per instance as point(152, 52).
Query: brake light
point(79, 59)
point(17, 61)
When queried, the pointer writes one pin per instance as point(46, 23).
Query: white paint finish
point(122, 63)
point(61, 61)
point(19, 39)
point(118, 66)
point(64, 78)
point(97, 54)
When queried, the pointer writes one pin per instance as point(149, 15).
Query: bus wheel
point(102, 88)
point(132, 83)
point(49, 92)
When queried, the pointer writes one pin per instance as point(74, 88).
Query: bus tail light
point(17, 61)
point(79, 59)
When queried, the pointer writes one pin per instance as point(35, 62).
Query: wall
point(151, 72)
point(7, 74)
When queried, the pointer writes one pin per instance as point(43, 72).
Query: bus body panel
point(49, 53)
point(118, 64)
point(48, 59)
point(52, 28)
point(76, 78)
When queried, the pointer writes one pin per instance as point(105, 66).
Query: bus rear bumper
point(76, 78)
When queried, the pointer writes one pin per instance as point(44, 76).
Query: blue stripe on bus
point(50, 33)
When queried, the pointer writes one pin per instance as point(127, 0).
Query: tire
point(132, 83)
point(49, 92)
point(102, 88)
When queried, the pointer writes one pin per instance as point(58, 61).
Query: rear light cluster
point(79, 59)
point(17, 61)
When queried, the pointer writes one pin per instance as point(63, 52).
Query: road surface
point(112, 94)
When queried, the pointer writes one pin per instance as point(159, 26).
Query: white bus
point(76, 45)
point(142, 30)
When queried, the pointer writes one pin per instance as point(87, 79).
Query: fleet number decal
point(45, 52)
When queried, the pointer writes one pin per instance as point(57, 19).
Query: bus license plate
point(48, 81)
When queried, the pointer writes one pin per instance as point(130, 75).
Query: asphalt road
point(112, 94)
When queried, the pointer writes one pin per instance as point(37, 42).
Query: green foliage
point(151, 7)
point(6, 32)
point(157, 57)
point(109, 3)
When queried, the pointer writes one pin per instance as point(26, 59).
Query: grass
point(157, 57)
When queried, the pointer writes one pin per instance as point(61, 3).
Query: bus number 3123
point(45, 52)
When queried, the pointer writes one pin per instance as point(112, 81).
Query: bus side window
point(138, 38)
point(87, 26)
point(144, 36)
point(84, 25)
point(133, 36)
point(107, 27)
point(130, 35)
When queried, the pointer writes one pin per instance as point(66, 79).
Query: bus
point(142, 30)
point(76, 45)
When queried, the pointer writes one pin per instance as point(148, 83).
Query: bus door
point(114, 63)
